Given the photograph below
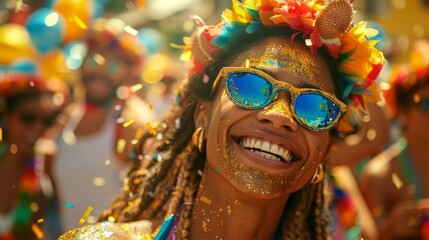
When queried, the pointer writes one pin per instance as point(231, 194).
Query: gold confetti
point(79, 22)
point(1, 134)
point(139, 133)
point(128, 123)
point(151, 106)
point(136, 87)
point(206, 200)
point(147, 236)
point(111, 219)
point(40, 220)
point(37, 231)
point(34, 207)
point(85, 215)
point(151, 129)
point(99, 181)
point(397, 181)
point(120, 146)
point(99, 59)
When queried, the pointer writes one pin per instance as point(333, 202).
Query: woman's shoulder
point(108, 230)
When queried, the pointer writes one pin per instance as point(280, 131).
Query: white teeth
point(257, 144)
point(267, 150)
point(265, 146)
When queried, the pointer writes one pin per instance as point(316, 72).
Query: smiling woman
point(240, 154)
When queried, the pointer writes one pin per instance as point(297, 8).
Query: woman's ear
point(202, 114)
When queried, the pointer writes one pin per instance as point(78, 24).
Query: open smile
point(267, 149)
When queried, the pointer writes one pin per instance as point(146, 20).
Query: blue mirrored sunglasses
point(251, 88)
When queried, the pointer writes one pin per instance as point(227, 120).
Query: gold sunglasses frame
point(278, 86)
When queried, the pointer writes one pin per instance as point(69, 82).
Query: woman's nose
point(279, 113)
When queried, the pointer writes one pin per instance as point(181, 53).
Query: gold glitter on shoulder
point(108, 230)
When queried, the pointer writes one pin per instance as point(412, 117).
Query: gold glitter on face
point(228, 124)
point(280, 106)
point(284, 58)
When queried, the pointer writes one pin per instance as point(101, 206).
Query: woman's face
point(103, 71)
point(27, 122)
point(233, 131)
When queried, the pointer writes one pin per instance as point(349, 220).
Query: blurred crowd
point(79, 87)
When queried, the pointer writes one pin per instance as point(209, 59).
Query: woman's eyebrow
point(308, 85)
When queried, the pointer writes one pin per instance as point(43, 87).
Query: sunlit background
point(51, 31)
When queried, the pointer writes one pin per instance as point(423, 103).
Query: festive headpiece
point(115, 34)
point(16, 83)
point(406, 78)
point(321, 24)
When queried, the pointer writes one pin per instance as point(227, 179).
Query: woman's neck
point(224, 212)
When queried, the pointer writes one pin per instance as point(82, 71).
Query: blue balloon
point(23, 66)
point(45, 27)
point(97, 9)
point(20, 66)
point(152, 40)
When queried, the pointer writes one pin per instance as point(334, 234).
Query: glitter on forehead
point(294, 62)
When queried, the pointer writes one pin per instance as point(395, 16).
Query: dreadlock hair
point(169, 180)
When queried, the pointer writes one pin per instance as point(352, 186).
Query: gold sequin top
point(107, 230)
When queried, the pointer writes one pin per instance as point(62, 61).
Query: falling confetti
point(79, 22)
point(136, 87)
point(206, 200)
point(130, 30)
point(37, 231)
point(128, 123)
point(40, 220)
point(13, 148)
point(151, 106)
point(151, 129)
point(206, 79)
point(99, 181)
point(69, 205)
point(1, 134)
point(397, 181)
point(85, 215)
point(111, 219)
point(120, 146)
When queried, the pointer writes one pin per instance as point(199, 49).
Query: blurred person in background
point(395, 184)
point(94, 137)
point(28, 108)
point(161, 74)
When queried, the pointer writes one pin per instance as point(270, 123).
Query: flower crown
point(16, 83)
point(321, 25)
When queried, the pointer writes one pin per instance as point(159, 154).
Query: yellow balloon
point(15, 43)
point(77, 16)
